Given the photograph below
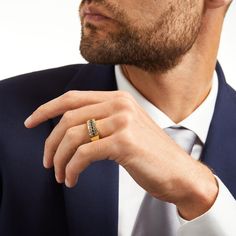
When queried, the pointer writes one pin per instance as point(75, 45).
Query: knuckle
point(67, 117)
point(69, 170)
point(124, 138)
point(71, 133)
point(80, 152)
point(123, 103)
point(48, 142)
point(70, 94)
point(41, 109)
point(57, 162)
point(123, 120)
point(128, 118)
point(124, 94)
point(98, 148)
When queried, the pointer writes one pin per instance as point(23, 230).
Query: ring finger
point(74, 137)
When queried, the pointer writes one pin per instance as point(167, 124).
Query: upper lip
point(91, 10)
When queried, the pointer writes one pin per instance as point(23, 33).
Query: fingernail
point(58, 180)
point(67, 183)
point(28, 121)
point(45, 163)
point(77, 179)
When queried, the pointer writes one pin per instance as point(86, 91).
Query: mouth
point(91, 13)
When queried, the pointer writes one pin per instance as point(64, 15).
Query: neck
point(181, 90)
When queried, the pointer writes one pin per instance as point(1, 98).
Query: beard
point(158, 47)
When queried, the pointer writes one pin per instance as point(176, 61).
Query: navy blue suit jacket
point(33, 203)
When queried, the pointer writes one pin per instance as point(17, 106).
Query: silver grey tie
point(157, 218)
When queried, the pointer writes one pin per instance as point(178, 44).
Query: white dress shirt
point(219, 220)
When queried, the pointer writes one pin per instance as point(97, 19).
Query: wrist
point(200, 195)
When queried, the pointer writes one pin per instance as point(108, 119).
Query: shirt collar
point(198, 121)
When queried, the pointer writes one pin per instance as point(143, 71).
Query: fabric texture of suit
point(33, 203)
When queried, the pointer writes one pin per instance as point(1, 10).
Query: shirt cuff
point(219, 220)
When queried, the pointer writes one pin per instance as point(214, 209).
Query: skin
point(178, 87)
point(152, 36)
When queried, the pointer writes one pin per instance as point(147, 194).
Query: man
point(155, 158)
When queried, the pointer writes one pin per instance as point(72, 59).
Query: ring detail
point(92, 130)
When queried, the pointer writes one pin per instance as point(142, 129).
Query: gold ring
point(92, 130)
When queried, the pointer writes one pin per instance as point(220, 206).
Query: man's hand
point(129, 137)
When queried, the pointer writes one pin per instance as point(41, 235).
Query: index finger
point(68, 101)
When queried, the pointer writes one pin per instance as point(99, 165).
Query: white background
point(37, 35)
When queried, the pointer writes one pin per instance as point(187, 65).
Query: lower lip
point(95, 17)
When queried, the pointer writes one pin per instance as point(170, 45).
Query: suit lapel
point(219, 150)
point(92, 206)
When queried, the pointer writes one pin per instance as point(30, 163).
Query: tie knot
point(182, 136)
